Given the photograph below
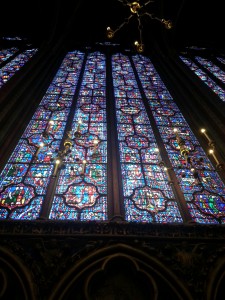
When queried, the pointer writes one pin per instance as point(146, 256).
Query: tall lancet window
point(201, 186)
point(212, 73)
point(27, 175)
point(108, 141)
point(81, 191)
point(148, 196)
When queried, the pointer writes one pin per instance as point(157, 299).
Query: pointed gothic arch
point(121, 270)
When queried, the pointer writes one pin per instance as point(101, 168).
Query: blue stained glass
point(134, 214)
point(147, 195)
point(61, 210)
point(81, 181)
point(14, 196)
point(204, 77)
point(14, 65)
point(203, 190)
point(23, 153)
point(31, 212)
point(7, 53)
point(96, 212)
point(38, 176)
point(13, 173)
point(210, 66)
point(37, 149)
point(82, 184)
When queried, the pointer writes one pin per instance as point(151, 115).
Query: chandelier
point(89, 141)
point(190, 162)
point(138, 11)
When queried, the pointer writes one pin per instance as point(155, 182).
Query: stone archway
point(119, 272)
point(14, 278)
point(216, 281)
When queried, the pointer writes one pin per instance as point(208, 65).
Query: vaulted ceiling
point(195, 22)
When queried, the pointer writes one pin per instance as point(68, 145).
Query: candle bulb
point(83, 166)
point(41, 145)
point(49, 126)
point(166, 170)
point(176, 132)
point(95, 147)
point(211, 151)
point(168, 174)
point(158, 155)
point(206, 135)
point(79, 123)
point(178, 138)
point(57, 163)
point(78, 133)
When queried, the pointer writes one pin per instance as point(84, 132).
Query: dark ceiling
point(195, 22)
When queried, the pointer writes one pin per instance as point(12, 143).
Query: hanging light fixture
point(191, 163)
point(137, 10)
point(64, 155)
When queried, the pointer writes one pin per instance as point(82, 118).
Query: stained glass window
point(32, 162)
point(7, 53)
point(147, 193)
point(207, 79)
point(14, 65)
point(211, 67)
point(201, 186)
point(81, 192)
point(64, 168)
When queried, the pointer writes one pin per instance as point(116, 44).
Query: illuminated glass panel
point(210, 66)
point(203, 189)
point(14, 65)
point(25, 178)
point(7, 53)
point(81, 193)
point(70, 125)
point(204, 77)
point(148, 197)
